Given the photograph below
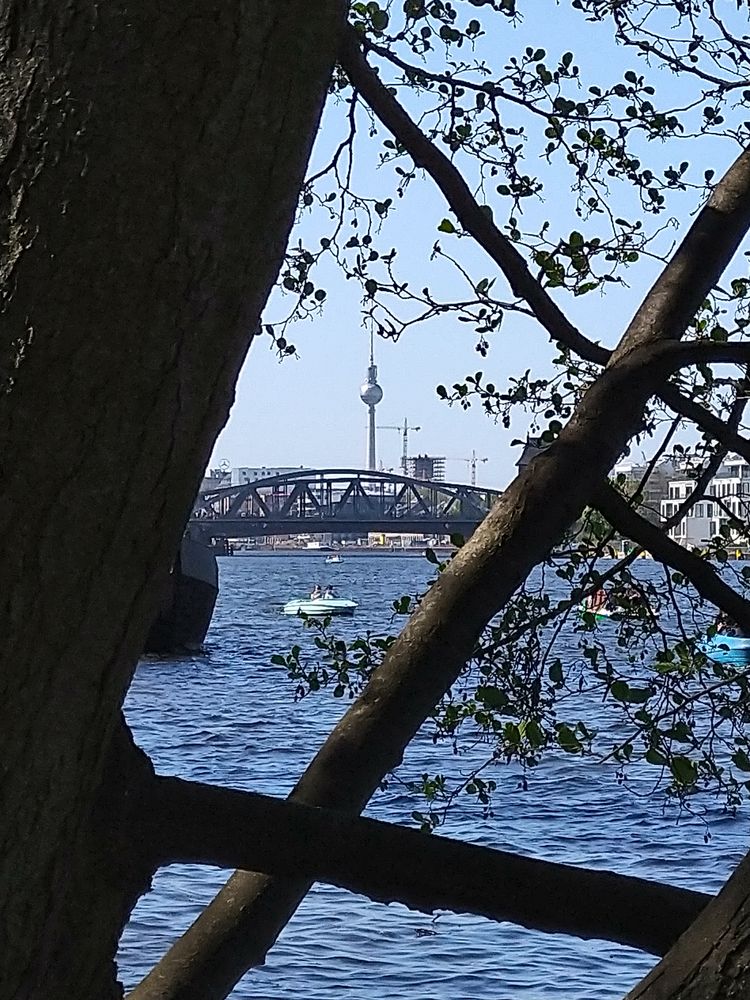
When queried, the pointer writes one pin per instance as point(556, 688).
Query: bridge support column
point(187, 605)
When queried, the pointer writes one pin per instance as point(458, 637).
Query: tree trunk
point(243, 921)
point(151, 157)
point(711, 961)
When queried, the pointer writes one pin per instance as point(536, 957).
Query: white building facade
point(728, 496)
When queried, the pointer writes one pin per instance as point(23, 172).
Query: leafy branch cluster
point(604, 134)
point(549, 678)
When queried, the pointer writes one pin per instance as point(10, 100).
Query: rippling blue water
point(231, 719)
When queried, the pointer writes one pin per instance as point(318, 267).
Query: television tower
point(370, 393)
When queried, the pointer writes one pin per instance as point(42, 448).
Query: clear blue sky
point(307, 411)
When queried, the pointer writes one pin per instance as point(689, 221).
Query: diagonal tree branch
point(469, 213)
point(204, 824)
point(717, 940)
point(667, 356)
point(697, 493)
point(707, 421)
point(243, 921)
point(701, 574)
point(239, 926)
point(478, 223)
point(704, 352)
point(696, 266)
point(419, 74)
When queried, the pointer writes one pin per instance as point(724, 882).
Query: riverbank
point(442, 551)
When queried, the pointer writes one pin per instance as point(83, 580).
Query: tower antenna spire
point(370, 393)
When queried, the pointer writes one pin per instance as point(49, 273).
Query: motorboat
point(724, 648)
point(333, 560)
point(319, 607)
point(605, 612)
point(602, 613)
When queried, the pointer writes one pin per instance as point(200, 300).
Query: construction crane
point(472, 463)
point(404, 431)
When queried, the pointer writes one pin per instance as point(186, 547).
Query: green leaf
point(430, 556)
point(620, 690)
point(492, 696)
point(684, 771)
point(534, 733)
point(568, 739)
point(279, 660)
point(512, 733)
point(446, 226)
point(638, 696)
point(379, 19)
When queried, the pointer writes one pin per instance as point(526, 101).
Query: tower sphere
point(370, 393)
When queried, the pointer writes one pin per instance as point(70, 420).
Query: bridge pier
point(187, 604)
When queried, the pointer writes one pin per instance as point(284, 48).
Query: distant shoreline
point(415, 553)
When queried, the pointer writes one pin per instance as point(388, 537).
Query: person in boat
point(316, 593)
point(329, 592)
point(725, 626)
point(636, 598)
point(723, 623)
point(633, 594)
point(597, 601)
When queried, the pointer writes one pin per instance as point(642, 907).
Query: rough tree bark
point(243, 921)
point(190, 823)
point(151, 156)
point(711, 961)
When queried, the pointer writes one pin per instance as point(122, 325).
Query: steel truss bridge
point(340, 501)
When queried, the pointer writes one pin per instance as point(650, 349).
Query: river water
point(231, 718)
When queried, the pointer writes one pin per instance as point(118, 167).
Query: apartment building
point(728, 496)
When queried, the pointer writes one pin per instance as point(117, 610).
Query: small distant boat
point(320, 606)
point(605, 612)
point(333, 560)
point(727, 648)
point(600, 614)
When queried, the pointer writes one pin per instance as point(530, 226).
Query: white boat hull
point(320, 607)
point(727, 649)
point(600, 613)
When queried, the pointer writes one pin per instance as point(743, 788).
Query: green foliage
point(526, 123)
point(548, 679)
point(582, 166)
point(331, 663)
